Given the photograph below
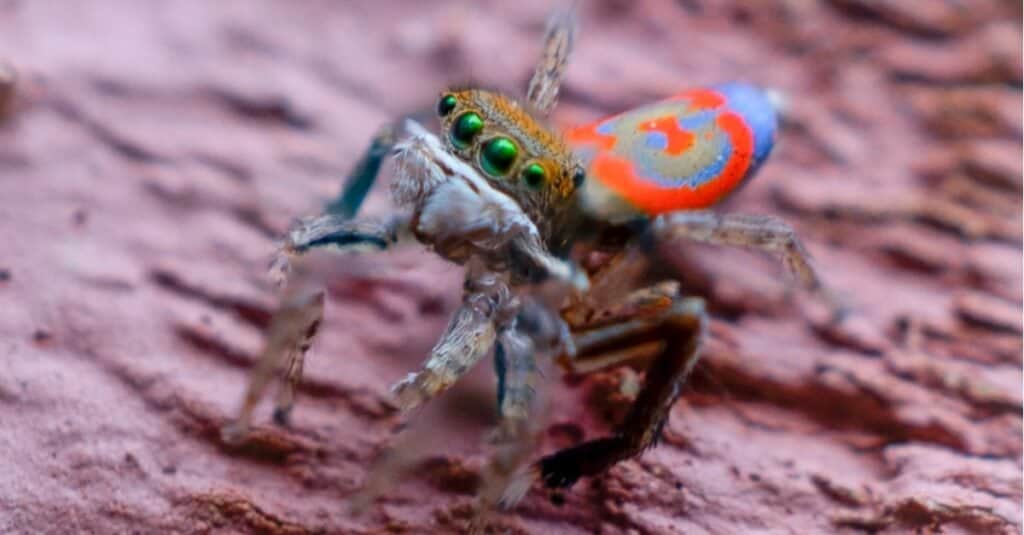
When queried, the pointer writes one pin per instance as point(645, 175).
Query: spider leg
point(595, 341)
point(764, 233)
point(517, 435)
point(363, 176)
point(538, 332)
point(293, 374)
point(336, 233)
point(486, 318)
point(472, 331)
point(559, 37)
point(514, 363)
point(677, 333)
point(295, 322)
point(292, 327)
point(297, 319)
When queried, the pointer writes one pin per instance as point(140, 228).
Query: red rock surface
point(153, 150)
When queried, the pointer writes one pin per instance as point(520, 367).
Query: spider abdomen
point(683, 153)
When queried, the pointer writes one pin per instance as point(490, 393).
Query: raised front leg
point(559, 38)
point(764, 233)
point(299, 314)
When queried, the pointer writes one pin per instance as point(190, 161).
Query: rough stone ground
point(153, 150)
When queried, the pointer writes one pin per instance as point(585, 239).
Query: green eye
point(466, 127)
point(446, 105)
point(534, 175)
point(498, 155)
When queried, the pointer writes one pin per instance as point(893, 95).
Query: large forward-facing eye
point(466, 127)
point(498, 155)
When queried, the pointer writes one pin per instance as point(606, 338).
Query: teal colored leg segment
point(500, 367)
point(363, 176)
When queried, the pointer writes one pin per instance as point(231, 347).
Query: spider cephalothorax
point(508, 196)
point(514, 150)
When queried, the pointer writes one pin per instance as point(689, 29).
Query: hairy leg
point(293, 374)
point(295, 322)
point(764, 233)
point(677, 332)
point(364, 174)
point(517, 435)
point(291, 328)
point(338, 234)
point(297, 319)
point(559, 38)
point(465, 342)
point(514, 363)
point(487, 305)
point(595, 341)
point(521, 356)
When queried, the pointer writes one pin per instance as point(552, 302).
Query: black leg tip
point(558, 471)
point(562, 469)
point(283, 416)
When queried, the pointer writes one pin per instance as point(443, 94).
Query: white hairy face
point(460, 214)
point(459, 211)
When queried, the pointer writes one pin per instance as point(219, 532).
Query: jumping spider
point(519, 203)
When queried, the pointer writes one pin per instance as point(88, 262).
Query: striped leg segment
point(338, 234)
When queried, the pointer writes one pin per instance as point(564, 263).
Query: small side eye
point(446, 105)
point(467, 126)
point(578, 177)
point(498, 155)
point(534, 175)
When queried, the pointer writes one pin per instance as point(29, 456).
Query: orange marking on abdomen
point(742, 139)
point(678, 140)
point(588, 134)
point(620, 175)
point(704, 99)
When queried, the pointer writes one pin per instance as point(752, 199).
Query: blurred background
point(151, 153)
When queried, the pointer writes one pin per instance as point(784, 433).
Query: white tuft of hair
point(778, 100)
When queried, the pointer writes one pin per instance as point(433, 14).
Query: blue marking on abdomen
point(656, 140)
point(607, 128)
point(711, 172)
point(690, 123)
point(703, 176)
point(752, 104)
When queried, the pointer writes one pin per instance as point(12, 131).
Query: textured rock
point(154, 150)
